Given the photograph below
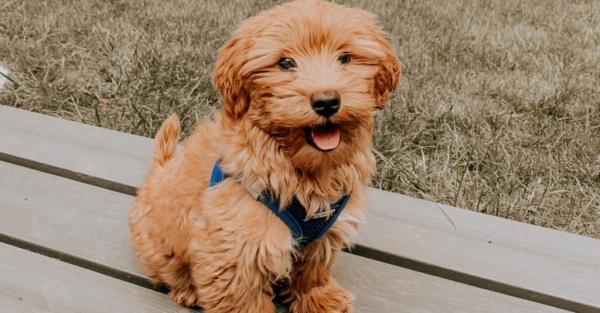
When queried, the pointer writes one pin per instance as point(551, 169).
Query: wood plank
point(515, 258)
point(34, 283)
point(42, 143)
point(485, 251)
point(87, 225)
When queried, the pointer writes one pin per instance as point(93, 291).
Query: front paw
point(327, 299)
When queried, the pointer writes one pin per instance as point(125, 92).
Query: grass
point(498, 110)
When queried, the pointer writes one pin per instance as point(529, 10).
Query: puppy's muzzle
point(326, 103)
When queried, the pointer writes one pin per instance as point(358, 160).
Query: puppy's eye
point(287, 63)
point(345, 58)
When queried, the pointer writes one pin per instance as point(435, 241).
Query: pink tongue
point(326, 137)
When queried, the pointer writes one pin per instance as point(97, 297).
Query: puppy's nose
point(325, 103)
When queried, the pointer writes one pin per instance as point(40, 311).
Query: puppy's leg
point(313, 290)
point(155, 249)
point(228, 278)
point(238, 248)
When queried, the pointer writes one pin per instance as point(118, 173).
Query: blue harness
point(304, 230)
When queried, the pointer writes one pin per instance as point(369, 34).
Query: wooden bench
point(66, 188)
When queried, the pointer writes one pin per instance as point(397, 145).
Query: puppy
point(300, 85)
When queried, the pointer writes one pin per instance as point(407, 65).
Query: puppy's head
point(311, 74)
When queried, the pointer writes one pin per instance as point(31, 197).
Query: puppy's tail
point(165, 141)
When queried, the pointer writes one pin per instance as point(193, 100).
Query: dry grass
point(498, 110)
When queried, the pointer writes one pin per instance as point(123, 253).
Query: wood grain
point(34, 283)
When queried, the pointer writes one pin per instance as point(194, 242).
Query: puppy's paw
point(326, 299)
point(186, 297)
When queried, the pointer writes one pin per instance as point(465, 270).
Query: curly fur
point(219, 248)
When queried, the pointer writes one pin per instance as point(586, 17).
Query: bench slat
point(87, 224)
point(34, 283)
point(51, 143)
point(535, 263)
point(493, 253)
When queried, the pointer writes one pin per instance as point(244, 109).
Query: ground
point(498, 110)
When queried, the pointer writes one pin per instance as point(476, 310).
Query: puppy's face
point(311, 74)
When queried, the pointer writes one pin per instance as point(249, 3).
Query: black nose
point(326, 103)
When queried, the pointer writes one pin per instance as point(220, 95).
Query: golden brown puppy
point(300, 84)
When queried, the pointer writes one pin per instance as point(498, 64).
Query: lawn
point(498, 110)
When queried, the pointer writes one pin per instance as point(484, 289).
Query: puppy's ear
point(227, 76)
point(388, 74)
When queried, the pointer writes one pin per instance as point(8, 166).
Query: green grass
point(498, 110)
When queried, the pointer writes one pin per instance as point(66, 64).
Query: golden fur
point(219, 248)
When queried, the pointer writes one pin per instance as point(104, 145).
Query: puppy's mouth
point(325, 137)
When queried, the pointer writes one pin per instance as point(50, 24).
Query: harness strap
point(305, 230)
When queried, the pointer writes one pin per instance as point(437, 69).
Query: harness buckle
point(325, 214)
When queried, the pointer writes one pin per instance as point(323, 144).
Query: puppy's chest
point(305, 224)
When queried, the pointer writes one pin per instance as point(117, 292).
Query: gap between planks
point(81, 262)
